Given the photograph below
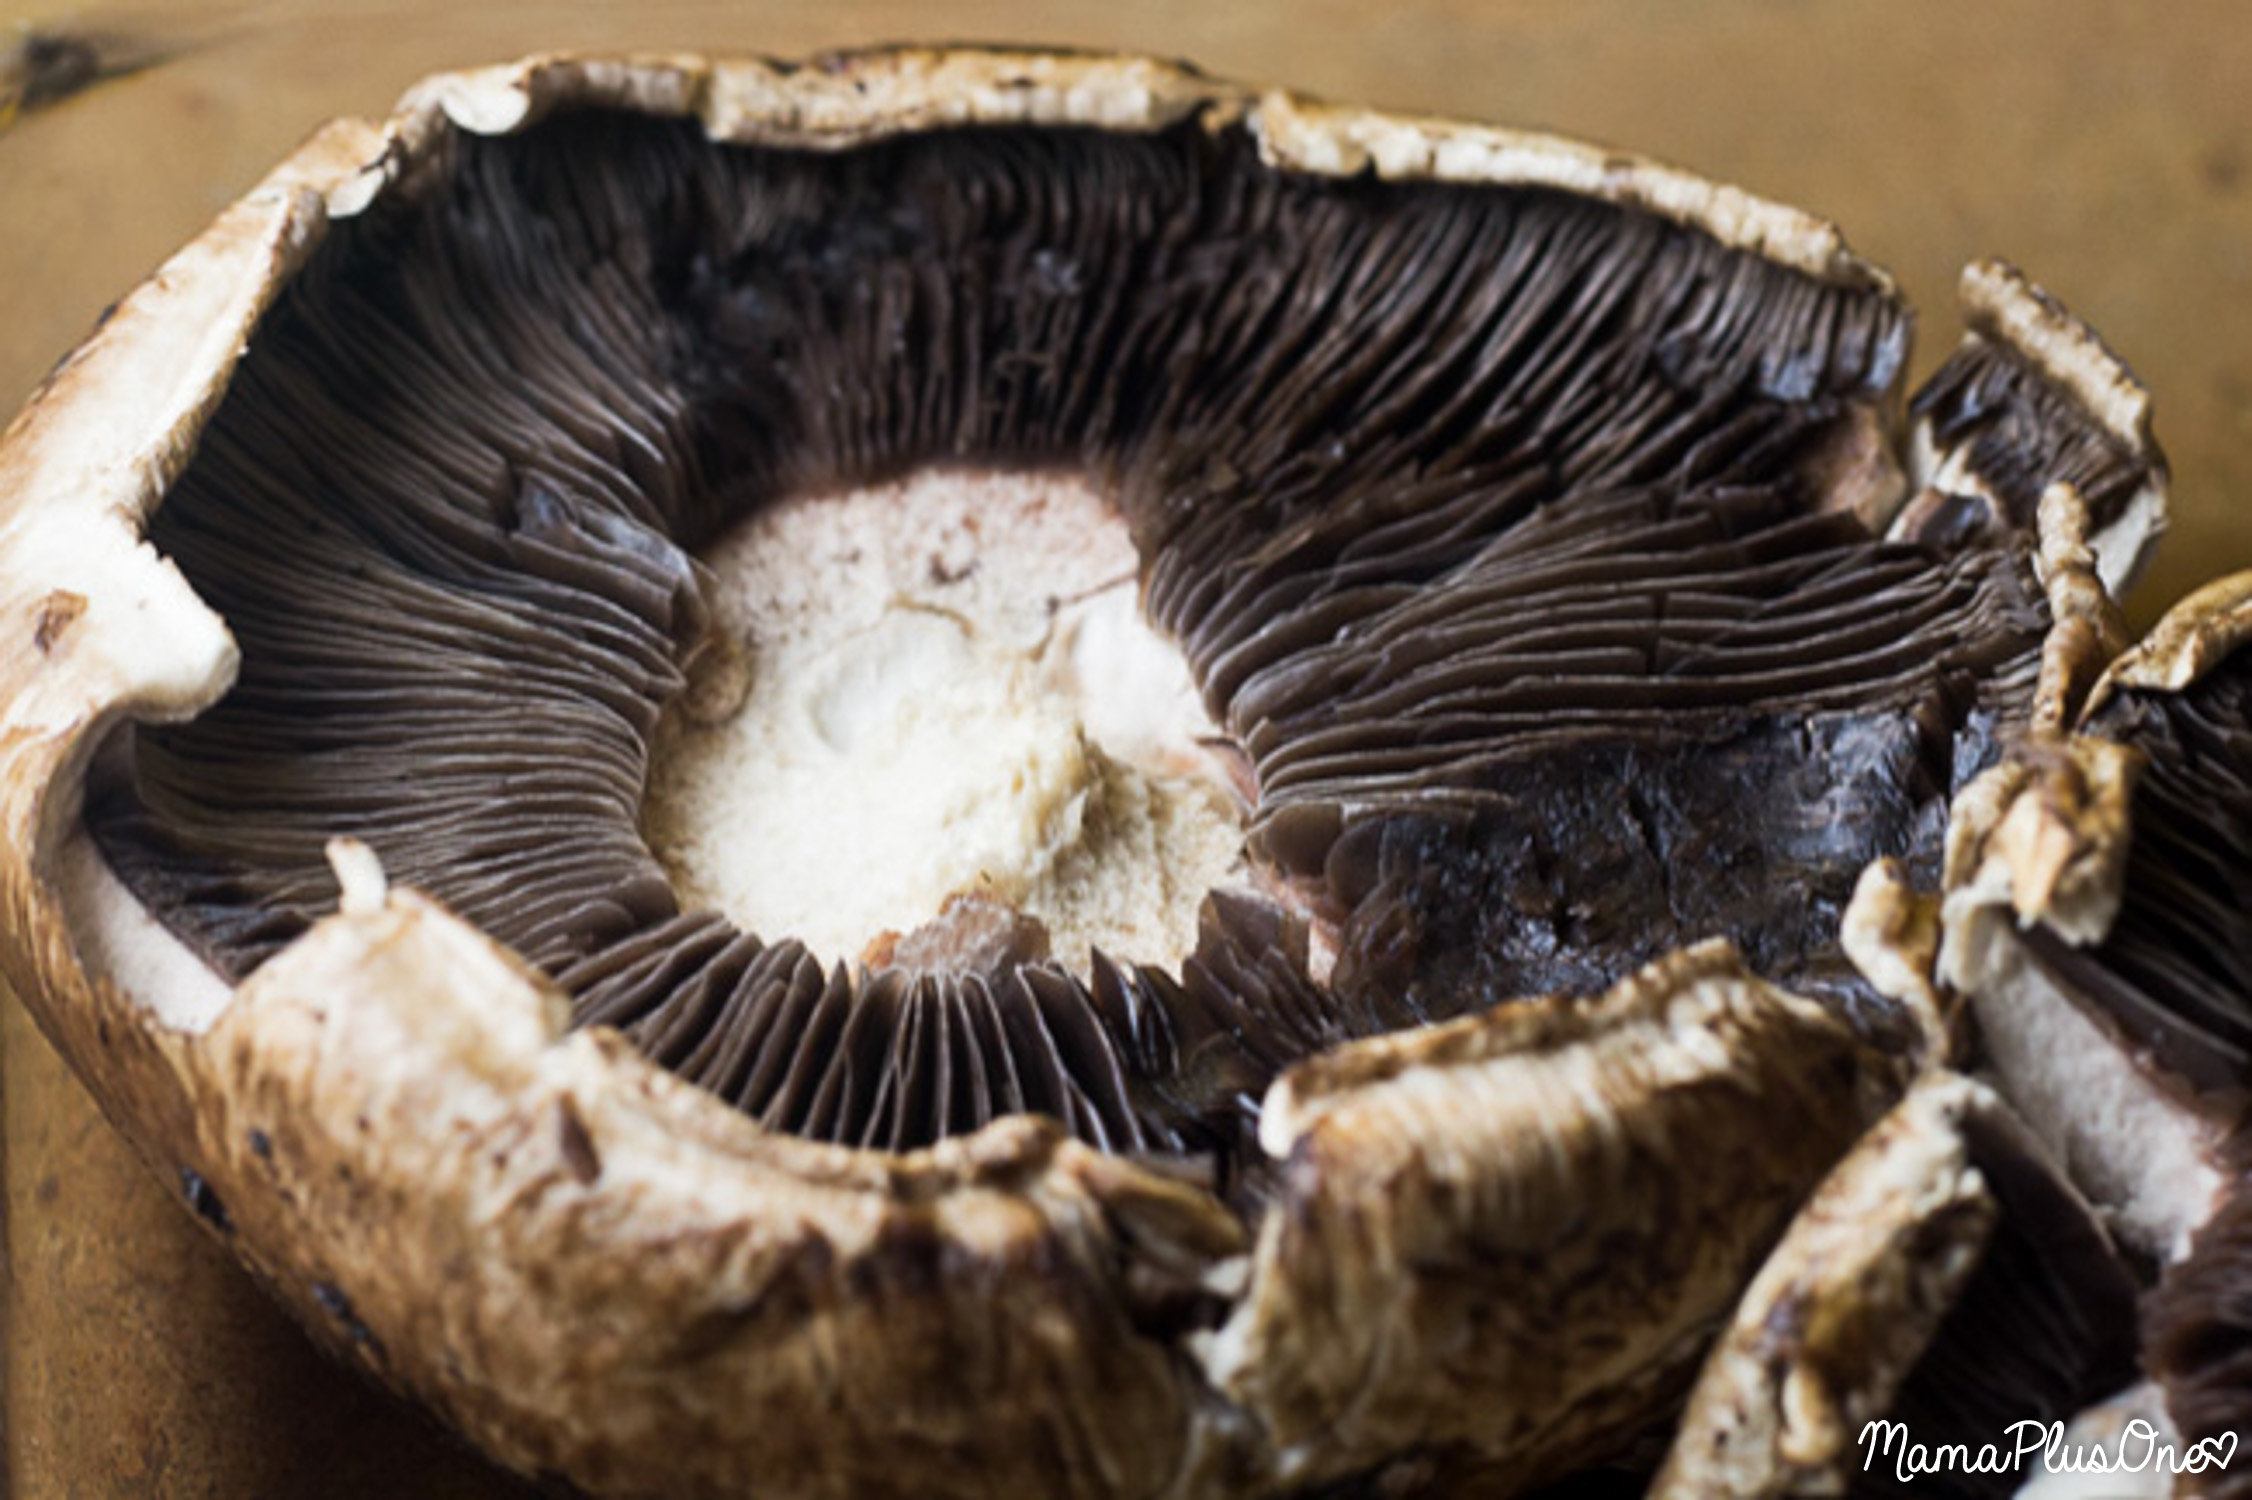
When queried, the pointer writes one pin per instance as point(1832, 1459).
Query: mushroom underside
point(1547, 581)
point(2003, 427)
point(2167, 986)
point(2174, 973)
point(1491, 525)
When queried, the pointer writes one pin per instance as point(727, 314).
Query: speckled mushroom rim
point(2002, 309)
point(581, 1261)
point(1945, 1238)
point(1892, 1234)
point(2197, 634)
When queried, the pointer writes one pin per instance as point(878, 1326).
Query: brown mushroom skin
point(1502, 1244)
point(1839, 1311)
point(1942, 1277)
point(950, 1322)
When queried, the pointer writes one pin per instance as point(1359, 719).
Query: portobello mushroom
point(1017, 773)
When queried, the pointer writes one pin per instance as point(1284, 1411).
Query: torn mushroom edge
point(1396, 1201)
point(1839, 1317)
point(2041, 836)
point(2001, 307)
point(2042, 839)
point(109, 633)
point(2044, 832)
point(1842, 1309)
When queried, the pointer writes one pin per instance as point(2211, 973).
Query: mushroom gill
point(2158, 982)
point(2197, 1328)
point(1499, 530)
point(2174, 972)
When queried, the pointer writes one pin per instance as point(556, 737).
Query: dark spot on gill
point(331, 1300)
point(204, 1201)
point(579, 1155)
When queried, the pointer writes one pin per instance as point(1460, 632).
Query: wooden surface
point(2106, 149)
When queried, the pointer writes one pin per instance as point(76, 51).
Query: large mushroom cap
point(1449, 576)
